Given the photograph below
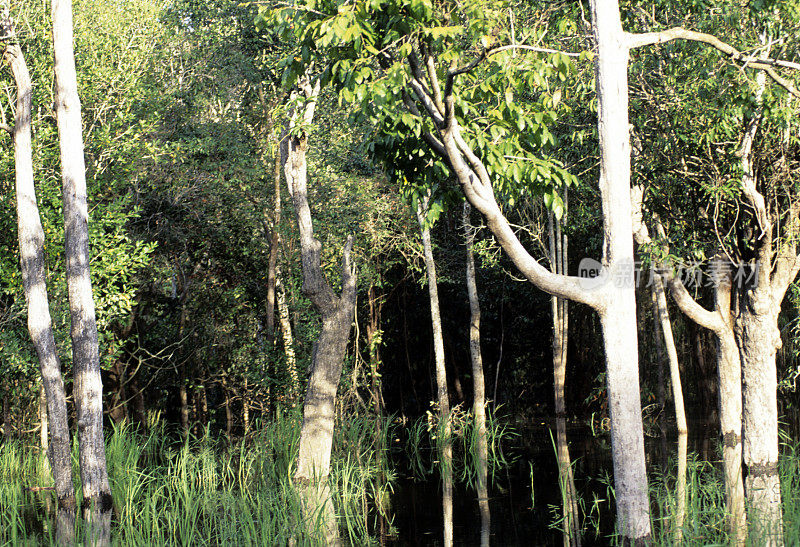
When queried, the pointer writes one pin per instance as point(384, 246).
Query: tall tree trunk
point(443, 439)
point(560, 308)
point(619, 316)
point(86, 360)
point(729, 374)
point(374, 337)
point(273, 245)
point(478, 384)
point(31, 246)
point(660, 300)
point(44, 426)
point(316, 434)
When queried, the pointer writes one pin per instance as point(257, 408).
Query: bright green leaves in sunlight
point(371, 51)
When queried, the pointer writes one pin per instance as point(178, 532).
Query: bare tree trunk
point(560, 308)
point(227, 403)
point(31, 245)
point(619, 317)
point(288, 341)
point(97, 500)
point(316, 434)
point(273, 246)
point(246, 408)
point(660, 300)
point(374, 336)
point(720, 322)
point(44, 427)
point(758, 338)
point(443, 435)
point(478, 384)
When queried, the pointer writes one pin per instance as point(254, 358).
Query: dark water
point(525, 500)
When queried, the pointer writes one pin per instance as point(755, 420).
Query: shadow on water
point(525, 499)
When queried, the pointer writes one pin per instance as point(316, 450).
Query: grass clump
point(199, 491)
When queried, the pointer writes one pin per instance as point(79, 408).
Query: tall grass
point(422, 436)
point(705, 519)
point(202, 492)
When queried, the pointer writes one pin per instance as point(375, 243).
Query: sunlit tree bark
point(32, 262)
point(443, 435)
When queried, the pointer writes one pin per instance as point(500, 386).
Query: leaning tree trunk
point(443, 437)
point(86, 360)
point(316, 434)
point(478, 385)
point(31, 245)
point(660, 300)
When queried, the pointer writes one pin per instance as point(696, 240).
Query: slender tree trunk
point(443, 435)
point(273, 246)
point(374, 336)
point(86, 360)
point(227, 403)
point(31, 245)
point(680, 413)
point(288, 342)
point(246, 408)
point(478, 384)
point(316, 434)
point(560, 308)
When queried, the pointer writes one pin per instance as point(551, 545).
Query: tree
point(32, 263)
point(316, 434)
point(478, 385)
point(411, 44)
point(444, 441)
point(88, 386)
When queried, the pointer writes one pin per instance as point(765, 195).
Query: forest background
point(197, 274)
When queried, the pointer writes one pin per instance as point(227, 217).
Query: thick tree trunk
point(86, 360)
point(680, 412)
point(443, 439)
point(619, 316)
point(478, 384)
point(758, 339)
point(316, 434)
point(31, 244)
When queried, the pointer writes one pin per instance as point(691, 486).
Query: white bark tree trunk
point(478, 384)
point(443, 437)
point(660, 300)
point(86, 361)
point(31, 246)
point(560, 308)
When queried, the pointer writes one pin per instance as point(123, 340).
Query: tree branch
point(679, 33)
point(688, 305)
